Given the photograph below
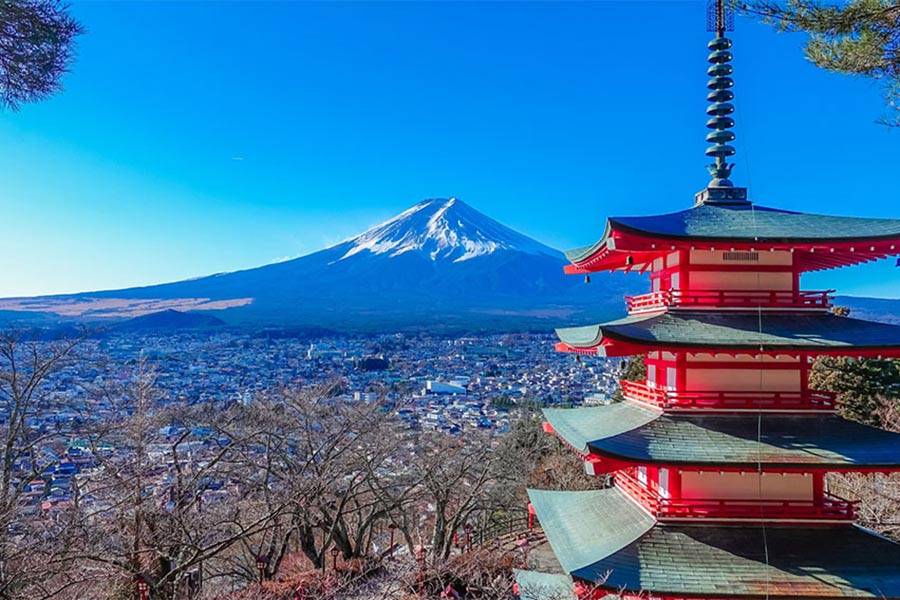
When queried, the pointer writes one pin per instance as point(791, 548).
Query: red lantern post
point(261, 567)
point(143, 588)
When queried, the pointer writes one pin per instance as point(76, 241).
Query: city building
point(720, 455)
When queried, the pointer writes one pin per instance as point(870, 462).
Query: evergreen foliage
point(633, 369)
point(36, 49)
point(865, 386)
point(860, 37)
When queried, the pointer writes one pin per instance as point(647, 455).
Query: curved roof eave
point(743, 562)
point(735, 330)
point(576, 255)
point(583, 527)
point(745, 223)
point(580, 426)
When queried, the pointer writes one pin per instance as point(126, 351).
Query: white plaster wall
point(743, 358)
point(741, 280)
point(736, 486)
point(726, 380)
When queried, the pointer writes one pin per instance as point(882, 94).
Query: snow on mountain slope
point(443, 230)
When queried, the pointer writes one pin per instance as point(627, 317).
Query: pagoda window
point(671, 378)
point(663, 484)
point(731, 258)
point(642, 475)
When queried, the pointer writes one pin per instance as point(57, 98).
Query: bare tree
point(330, 474)
point(25, 391)
point(453, 476)
point(145, 512)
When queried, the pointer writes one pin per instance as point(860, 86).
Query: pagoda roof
point(580, 426)
point(744, 223)
point(747, 222)
point(583, 527)
point(599, 538)
point(631, 433)
point(813, 331)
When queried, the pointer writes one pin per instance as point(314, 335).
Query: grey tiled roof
point(629, 431)
point(778, 562)
point(579, 426)
point(584, 526)
point(751, 222)
point(747, 223)
point(742, 330)
point(601, 536)
point(819, 440)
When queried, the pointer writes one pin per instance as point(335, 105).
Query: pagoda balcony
point(729, 299)
point(829, 508)
point(722, 400)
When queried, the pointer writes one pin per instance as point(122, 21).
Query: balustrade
point(830, 507)
point(728, 299)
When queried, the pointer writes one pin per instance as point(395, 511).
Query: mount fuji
point(440, 264)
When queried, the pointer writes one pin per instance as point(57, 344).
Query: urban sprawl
point(451, 385)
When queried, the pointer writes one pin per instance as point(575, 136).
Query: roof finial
point(719, 19)
point(720, 94)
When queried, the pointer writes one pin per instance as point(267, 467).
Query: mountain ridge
point(438, 263)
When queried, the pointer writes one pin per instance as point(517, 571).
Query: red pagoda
point(719, 456)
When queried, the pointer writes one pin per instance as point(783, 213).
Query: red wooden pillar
point(684, 273)
point(804, 374)
point(818, 488)
point(674, 483)
point(681, 371)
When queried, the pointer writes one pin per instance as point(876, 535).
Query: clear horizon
point(280, 129)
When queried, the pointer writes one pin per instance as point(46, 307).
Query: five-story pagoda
point(719, 456)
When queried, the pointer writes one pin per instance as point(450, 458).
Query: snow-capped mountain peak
point(443, 229)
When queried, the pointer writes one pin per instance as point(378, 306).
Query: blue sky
point(194, 138)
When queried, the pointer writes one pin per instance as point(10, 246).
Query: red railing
point(810, 400)
point(728, 299)
point(828, 508)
